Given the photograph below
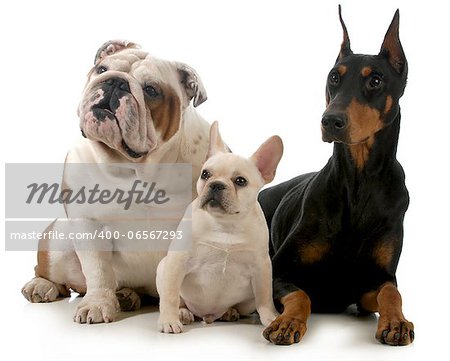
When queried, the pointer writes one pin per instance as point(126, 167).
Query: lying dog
point(227, 270)
point(135, 110)
point(336, 235)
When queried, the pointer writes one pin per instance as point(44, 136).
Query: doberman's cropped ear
point(392, 48)
point(111, 47)
point(345, 46)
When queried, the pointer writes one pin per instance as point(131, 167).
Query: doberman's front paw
point(395, 331)
point(285, 330)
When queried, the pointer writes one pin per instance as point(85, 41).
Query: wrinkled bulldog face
point(133, 102)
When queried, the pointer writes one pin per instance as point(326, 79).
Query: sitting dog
point(337, 234)
point(226, 271)
point(135, 110)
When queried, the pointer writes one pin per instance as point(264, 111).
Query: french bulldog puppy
point(135, 110)
point(226, 270)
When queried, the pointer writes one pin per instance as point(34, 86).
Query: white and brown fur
point(167, 130)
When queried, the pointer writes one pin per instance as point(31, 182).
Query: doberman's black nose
point(334, 122)
point(217, 187)
point(118, 83)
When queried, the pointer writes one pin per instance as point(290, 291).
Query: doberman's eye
point(334, 78)
point(240, 181)
point(205, 174)
point(101, 69)
point(375, 82)
point(151, 91)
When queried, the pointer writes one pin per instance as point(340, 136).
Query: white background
point(264, 65)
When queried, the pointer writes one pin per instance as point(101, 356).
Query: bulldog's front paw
point(97, 307)
point(40, 290)
point(169, 324)
point(285, 330)
point(395, 331)
point(129, 300)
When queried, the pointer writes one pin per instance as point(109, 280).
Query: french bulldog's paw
point(186, 316)
point(267, 316)
point(169, 325)
point(40, 290)
point(395, 331)
point(97, 307)
point(285, 330)
point(231, 315)
point(128, 299)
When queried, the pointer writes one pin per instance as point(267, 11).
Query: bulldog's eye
point(240, 181)
point(205, 174)
point(375, 82)
point(101, 69)
point(151, 91)
point(334, 78)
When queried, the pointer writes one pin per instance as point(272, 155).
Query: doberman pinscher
point(336, 235)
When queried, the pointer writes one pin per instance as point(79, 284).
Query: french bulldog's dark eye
point(151, 91)
point(101, 69)
point(205, 174)
point(375, 82)
point(334, 78)
point(240, 181)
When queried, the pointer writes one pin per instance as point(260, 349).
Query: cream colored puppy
point(226, 270)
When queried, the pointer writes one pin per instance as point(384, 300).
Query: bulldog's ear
point(192, 84)
point(216, 144)
point(268, 156)
point(345, 46)
point(111, 47)
point(392, 48)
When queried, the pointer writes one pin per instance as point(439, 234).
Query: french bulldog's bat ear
point(268, 156)
point(345, 46)
point(216, 144)
point(111, 47)
point(192, 84)
point(392, 48)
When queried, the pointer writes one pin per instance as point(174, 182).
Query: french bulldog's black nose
point(118, 83)
point(334, 122)
point(217, 186)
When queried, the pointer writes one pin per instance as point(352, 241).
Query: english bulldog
point(135, 111)
point(224, 270)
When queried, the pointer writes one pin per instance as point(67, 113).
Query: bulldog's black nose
point(217, 186)
point(334, 122)
point(113, 90)
point(118, 83)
